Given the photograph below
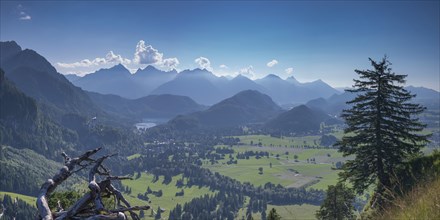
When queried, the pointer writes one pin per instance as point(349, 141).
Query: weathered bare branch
point(49, 186)
point(59, 207)
point(119, 198)
point(82, 209)
point(75, 208)
point(93, 185)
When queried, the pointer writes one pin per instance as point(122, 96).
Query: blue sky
point(308, 40)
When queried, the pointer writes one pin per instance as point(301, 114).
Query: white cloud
point(203, 63)
point(170, 63)
point(247, 71)
point(272, 63)
point(223, 66)
point(116, 58)
point(82, 63)
point(110, 58)
point(289, 70)
point(22, 14)
point(26, 17)
point(146, 54)
point(78, 73)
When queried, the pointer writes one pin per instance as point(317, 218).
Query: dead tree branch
point(81, 208)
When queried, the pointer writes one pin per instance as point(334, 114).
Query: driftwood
point(81, 208)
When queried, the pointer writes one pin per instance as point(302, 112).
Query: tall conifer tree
point(382, 128)
point(338, 204)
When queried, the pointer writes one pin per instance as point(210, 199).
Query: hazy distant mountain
point(319, 89)
point(198, 84)
point(150, 78)
point(332, 105)
point(298, 120)
point(319, 103)
point(423, 93)
point(336, 103)
point(427, 97)
point(114, 80)
point(281, 91)
point(292, 80)
point(152, 106)
point(291, 91)
point(206, 88)
point(117, 80)
point(246, 107)
point(240, 83)
point(37, 78)
point(72, 77)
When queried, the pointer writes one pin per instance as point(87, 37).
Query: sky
point(309, 40)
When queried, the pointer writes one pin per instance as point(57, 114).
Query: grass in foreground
point(423, 202)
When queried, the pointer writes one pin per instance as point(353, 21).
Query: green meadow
point(288, 212)
point(28, 199)
point(312, 168)
point(267, 140)
point(168, 200)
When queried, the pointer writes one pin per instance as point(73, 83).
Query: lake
point(145, 125)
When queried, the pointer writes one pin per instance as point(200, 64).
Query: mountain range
point(57, 97)
point(37, 78)
point(298, 120)
point(199, 84)
point(153, 106)
point(231, 104)
point(119, 81)
point(334, 104)
point(246, 107)
point(252, 108)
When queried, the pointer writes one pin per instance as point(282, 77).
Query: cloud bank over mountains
point(110, 58)
point(145, 54)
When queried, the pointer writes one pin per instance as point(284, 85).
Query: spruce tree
point(382, 128)
point(338, 203)
point(273, 215)
point(158, 213)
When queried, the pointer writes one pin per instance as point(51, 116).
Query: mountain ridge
point(298, 120)
point(37, 78)
point(248, 106)
point(153, 106)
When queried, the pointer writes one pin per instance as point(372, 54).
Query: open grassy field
point(304, 211)
point(287, 212)
point(267, 140)
point(285, 169)
point(285, 172)
point(168, 200)
point(134, 156)
point(28, 199)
